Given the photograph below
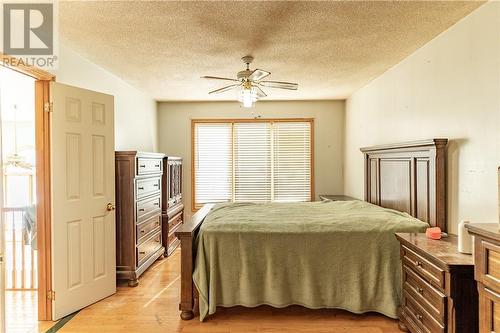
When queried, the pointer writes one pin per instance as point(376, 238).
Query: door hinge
point(51, 295)
point(48, 107)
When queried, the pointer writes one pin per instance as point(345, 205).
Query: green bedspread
point(318, 254)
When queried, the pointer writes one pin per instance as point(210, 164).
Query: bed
point(318, 254)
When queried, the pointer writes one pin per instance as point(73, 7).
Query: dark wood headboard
point(409, 177)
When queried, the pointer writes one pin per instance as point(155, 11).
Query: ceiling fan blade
point(219, 78)
point(257, 75)
point(217, 91)
point(259, 92)
point(280, 85)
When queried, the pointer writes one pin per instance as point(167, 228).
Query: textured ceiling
point(329, 48)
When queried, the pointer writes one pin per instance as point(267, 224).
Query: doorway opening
point(25, 221)
point(17, 107)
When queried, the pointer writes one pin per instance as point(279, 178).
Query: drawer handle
point(156, 185)
point(142, 252)
point(143, 231)
point(142, 166)
point(418, 263)
point(141, 209)
point(420, 290)
point(140, 188)
point(157, 165)
point(156, 203)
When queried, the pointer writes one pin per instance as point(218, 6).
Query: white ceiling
point(330, 48)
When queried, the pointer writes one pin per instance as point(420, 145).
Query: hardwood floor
point(21, 314)
point(153, 307)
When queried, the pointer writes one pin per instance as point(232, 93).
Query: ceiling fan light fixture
point(248, 97)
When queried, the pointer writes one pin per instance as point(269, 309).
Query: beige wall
point(174, 130)
point(449, 88)
point(135, 112)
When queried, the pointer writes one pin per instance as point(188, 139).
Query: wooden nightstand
point(336, 197)
point(439, 292)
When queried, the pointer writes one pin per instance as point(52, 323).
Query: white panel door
point(83, 198)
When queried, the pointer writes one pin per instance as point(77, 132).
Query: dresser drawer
point(174, 223)
point(419, 316)
point(147, 208)
point(147, 186)
point(489, 302)
point(149, 165)
point(428, 271)
point(432, 299)
point(146, 249)
point(146, 228)
point(174, 202)
point(488, 267)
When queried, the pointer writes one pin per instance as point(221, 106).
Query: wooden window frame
point(42, 152)
point(246, 120)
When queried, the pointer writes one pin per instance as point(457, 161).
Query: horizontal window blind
point(292, 161)
point(213, 163)
point(252, 161)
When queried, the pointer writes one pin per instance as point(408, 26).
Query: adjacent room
point(19, 216)
point(250, 166)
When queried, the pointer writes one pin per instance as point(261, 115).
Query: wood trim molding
point(251, 120)
point(311, 163)
point(43, 212)
point(411, 144)
point(247, 120)
point(19, 66)
point(193, 186)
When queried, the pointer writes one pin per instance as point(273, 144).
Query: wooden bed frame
point(409, 177)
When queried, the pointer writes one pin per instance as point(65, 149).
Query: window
point(252, 161)
point(213, 176)
point(292, 161)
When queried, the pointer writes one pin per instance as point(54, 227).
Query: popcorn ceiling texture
point(329, 48)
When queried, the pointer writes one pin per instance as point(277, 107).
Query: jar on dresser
point(138, 213)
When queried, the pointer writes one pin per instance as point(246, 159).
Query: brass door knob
point(110, 207)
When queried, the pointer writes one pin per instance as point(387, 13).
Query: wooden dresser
point(487, 260)
point(439, 291)
point(138, 212)
point(172, 206)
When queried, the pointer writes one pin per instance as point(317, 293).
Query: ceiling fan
point(250, 82)
point(18, 159)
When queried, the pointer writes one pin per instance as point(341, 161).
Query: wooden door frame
point(43, 210)
point(42, 149)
